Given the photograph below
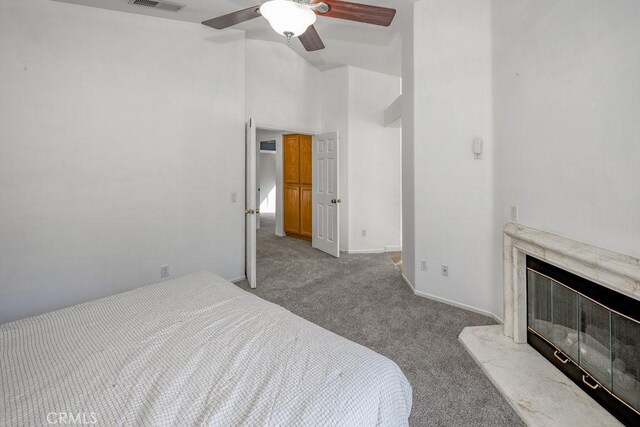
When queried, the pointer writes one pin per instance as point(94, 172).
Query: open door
point(326, 203)
point(251, 198)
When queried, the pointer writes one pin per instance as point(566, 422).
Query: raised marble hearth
point(540, 393)
point(537, 391)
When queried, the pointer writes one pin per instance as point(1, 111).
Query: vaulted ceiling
point(347, 43)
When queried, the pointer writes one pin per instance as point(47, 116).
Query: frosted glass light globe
point(288, 17)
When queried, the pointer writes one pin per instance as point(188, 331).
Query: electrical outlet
point(364, 232)
point(514, 213)
point(164, 271)
point(234, 197)
point(423, 265)
point(445, 270)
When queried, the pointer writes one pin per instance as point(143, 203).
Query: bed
point(196, 350)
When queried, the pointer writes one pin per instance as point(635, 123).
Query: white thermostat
point(477, 148)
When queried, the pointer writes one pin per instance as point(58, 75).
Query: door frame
point(250, 196)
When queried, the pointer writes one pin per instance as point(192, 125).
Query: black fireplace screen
point(591, 328)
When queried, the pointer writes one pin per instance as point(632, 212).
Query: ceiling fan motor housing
point(288, 18)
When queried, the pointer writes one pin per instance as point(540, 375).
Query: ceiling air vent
point(164, 5)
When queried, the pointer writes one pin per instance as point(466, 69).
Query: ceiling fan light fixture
point(288, 18)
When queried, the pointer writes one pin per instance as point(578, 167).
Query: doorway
point(301, 171)
point(285, 183)
point(297, 186)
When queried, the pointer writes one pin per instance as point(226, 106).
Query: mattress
point(196, 350)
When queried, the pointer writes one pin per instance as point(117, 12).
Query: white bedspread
point(191, 351)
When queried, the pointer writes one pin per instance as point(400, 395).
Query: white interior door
point(251, 195)
point(326, 201)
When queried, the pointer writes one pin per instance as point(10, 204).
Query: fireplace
point(590, 332)
point(568, 347)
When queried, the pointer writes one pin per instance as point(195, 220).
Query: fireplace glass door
point(626, 359)
point(602, 343)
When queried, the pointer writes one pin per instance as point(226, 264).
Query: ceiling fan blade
point(311, 40)
point(226, 21)
point(359, 12)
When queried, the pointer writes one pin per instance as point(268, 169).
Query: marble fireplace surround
point(539, 392)
point(615, 271)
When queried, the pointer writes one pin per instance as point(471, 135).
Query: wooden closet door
point(292, 209)
point(291, 159)
point(306, 152)
point(306, 179)
point(291, 172)
point(298, 178)
point(305, 211)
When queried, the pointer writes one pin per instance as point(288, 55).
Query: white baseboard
point(497, 319)
point(366, 251)
point(450, 302)
point(405, 280)
point(238, 279)
point(374, 251)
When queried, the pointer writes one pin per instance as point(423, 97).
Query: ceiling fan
point(295, 18)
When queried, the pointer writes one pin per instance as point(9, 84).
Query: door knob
point(249, 212)
point(334, 201)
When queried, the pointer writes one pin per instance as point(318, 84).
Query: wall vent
point(164, 5)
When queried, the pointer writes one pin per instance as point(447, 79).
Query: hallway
point(363, 298)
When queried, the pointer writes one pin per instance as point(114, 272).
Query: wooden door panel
point(306, 164)
point(306, 209)
point(291, 159)
point(292, 209)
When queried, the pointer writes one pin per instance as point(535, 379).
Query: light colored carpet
point(363, 298)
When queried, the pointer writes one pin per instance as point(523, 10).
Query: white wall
point(567, 108)
point(406, 15)
point(284, 91)
point(374, 163)
point(122, 139)
point(282, 88)
point(556, 83)
point(267, 182)
point(453, 192)
point(353, 103)
point(393, 113)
